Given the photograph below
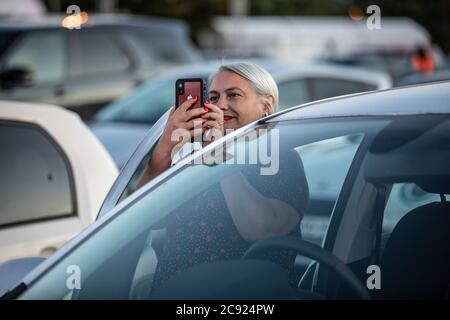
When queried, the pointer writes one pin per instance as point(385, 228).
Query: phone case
point(186, 88)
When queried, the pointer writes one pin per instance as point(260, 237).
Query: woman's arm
point(158, 163)
point(255, 216)
point(179, 119)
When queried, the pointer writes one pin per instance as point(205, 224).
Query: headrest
point(439, 184)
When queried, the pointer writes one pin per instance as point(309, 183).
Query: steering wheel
point(314, 252)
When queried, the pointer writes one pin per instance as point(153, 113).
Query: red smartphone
point(189, 88)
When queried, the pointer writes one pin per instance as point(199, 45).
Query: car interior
point(414, 258)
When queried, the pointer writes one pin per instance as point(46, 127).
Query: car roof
point(40, 113)
point(283, 71)
point(433, 98)
point(380, 79)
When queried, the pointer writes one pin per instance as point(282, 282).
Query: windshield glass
point(368, 189)
point(198, 215)
point(146, 104)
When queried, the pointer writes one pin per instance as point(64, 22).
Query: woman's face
point(237, 98)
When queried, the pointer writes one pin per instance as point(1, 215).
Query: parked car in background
point(397, 63)
point(399, 137)
point(124, 122)
point(417, 78)
point(84, 69)
point(54, 175)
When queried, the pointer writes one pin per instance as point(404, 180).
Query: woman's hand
point(180, 118)
point(213, 124)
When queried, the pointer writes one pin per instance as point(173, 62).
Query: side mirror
point(11, 272)
point(16, 77)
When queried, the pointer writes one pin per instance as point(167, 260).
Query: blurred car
point(401, 136)
point(42, 61)
point(54, 175)
point(417, 78)
point(397, 63)
point(123, 123)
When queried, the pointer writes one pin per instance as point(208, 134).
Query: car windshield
point(146, 104)
point(183, 230)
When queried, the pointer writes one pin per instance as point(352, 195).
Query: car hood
point(119, 138)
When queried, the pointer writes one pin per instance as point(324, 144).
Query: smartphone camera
point(180, 88)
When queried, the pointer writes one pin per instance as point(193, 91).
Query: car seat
point(415, 263)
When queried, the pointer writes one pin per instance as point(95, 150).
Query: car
point(54, 176)
point(43, 61)
point(397, 63)
point(417, 78)
point(122, 124)
point(373, 248)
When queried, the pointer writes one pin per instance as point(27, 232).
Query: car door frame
point(130, 167)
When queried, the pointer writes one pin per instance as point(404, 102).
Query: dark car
point(83, 69)
point(372, 244)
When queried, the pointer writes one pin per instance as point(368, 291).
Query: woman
point(239, 94)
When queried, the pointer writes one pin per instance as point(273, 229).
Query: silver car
point(372, 244)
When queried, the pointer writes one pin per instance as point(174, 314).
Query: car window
point(403, 198)
point(293, 93)
point(160, 42)
point(132, 185)
point(146, 104)
point(326, 88)
point(43, 53)
point(323, 190)
point(186, 216)
point(326, 165)
point(35, 176)
point(410, 160)
point(88, 49)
